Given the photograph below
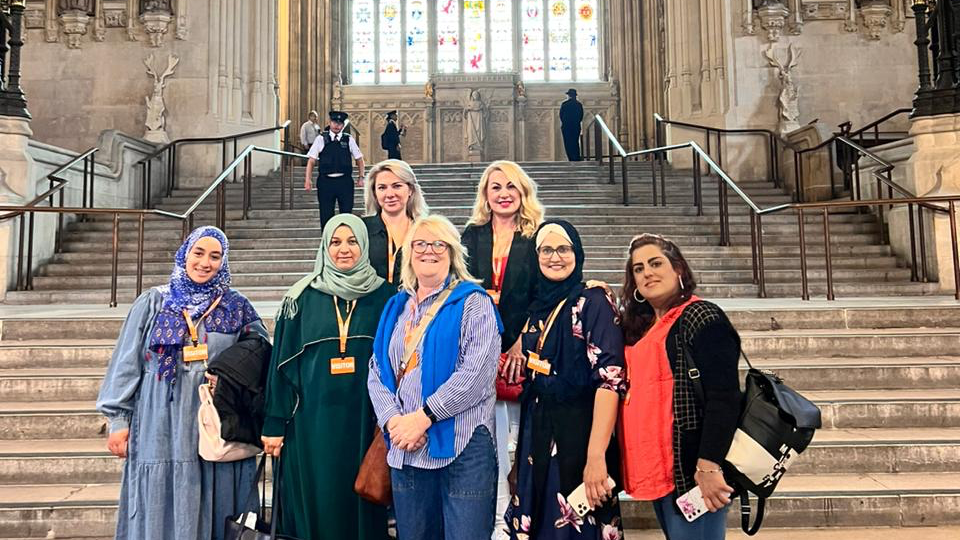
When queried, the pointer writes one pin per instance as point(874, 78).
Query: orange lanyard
point(344, 326)
point(546, 330)
point(392, 250)
point(499, 263)
point(192, 327)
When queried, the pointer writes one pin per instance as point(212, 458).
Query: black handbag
point(235, 527)
point(776, 424)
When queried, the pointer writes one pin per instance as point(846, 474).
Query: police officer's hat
point(392, 113)
point(572, 92)
point(338, 116)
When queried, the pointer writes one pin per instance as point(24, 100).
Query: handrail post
point(143, 185)
point(798, 177)
point(956, 258)
point(723, 210)
point(21, 284)
point(663, 179)
point(804, 284)
point(856, 168)
point(654, 163)
point(770, 165)
point(140, 255)
point(624, 177)
point(234, 157)
point(58, 244)
point(116, 256)
point(831, 148)
point(85, 165)
point(697, 179)
point(93, 179)
point(883, 229)
point(923, 245)
point(597, 142)
point(173, 169)
point(753, 247)
point(611, 161)
point(283, 181)
point(826, 247)
point(914, 270)
point(246, 185)
point(760, 269)
point(221, 205)
point(149, 183)
point(30, 252)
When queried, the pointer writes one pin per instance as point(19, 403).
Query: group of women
point(500, 381)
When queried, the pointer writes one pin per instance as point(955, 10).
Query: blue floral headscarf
point(169, 332)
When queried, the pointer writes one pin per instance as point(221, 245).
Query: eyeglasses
point(420, 246)
point(547, 252)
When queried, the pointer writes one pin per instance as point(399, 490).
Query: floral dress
point(557, 414)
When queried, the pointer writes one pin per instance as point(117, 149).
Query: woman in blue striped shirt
point(431, 382)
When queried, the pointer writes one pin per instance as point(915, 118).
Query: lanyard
point(412, 338)
point(344, 326)
point(392, 250)
point(499, 264)
point(192, 327)
point(546, 331)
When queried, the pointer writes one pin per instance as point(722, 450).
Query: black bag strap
point(254, 494)
point(745, 513)
point(275, 511)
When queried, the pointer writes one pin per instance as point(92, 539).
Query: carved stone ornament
point(157, 5)
point(74, 25)
point(33, 18)
point(115, 18)
point(875, 17)
point(68, 6)
point(789, 98)
point(773, 18)
point(156, 123)
point(155, 24)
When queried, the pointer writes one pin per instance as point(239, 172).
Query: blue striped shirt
point(468, 395)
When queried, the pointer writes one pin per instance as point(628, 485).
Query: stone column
point(932, 170)
point(16, 188)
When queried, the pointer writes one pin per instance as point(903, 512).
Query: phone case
point(578, 498)
point(691, 504)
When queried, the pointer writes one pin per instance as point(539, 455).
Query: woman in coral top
point(672, 443)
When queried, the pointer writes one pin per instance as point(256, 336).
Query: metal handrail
point(170, 150)
point(25, 280)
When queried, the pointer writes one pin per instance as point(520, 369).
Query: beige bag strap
point(412, 341)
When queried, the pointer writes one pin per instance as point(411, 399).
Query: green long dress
point(326, 420)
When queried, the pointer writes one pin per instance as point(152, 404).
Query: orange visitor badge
point(195, 353)
point(537, 364)
point(495, 295)
point(342, 366)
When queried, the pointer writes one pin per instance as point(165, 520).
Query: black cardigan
point(241, 388)
point(377, 231)
point(519, 280)
point(705, 430)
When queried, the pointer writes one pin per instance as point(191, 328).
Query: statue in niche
point(521, 90)
point(156, 123)
point(789, 93)
point(338, 92)
point(475, 115)
point(428, 90)
point(156, 5)
point(66, 6)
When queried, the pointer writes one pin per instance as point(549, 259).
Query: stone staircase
point(885, 370)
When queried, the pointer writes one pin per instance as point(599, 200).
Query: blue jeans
point(710, 526)
point(456, 502)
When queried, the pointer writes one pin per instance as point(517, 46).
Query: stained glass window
point(418, 56)
point(546, 40)
point(561, 67)
point(364, 53)
point(448, 36)
point(501, 36)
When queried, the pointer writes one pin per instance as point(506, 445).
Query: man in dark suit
point(571, 115)
point(390, 139)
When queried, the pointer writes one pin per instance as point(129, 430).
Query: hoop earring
point(637, 298)
point(681, 282)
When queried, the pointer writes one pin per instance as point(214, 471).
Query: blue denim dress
point(168, 491)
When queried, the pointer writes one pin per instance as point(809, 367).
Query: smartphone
point(578, 498)
point(692, 505)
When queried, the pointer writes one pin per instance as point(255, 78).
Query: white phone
point(692, 505)
point(578, 498)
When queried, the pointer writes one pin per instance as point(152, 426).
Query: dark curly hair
point(638, 316)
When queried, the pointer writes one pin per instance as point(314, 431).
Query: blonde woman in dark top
point(393, 202)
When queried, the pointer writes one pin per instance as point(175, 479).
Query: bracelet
point(709, 471)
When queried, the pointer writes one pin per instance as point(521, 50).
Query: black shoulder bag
point(236, 528)
point(776, 424)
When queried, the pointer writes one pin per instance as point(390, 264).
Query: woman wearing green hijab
point(318, 411)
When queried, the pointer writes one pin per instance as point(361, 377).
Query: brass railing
point(218, 187)
point(725, 183)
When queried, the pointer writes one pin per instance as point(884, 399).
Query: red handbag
point(505, 390)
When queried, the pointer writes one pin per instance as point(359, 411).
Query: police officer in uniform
point(336, 151)
point(390, 139)
point(571, 115)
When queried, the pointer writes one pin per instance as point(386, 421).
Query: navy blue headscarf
point(169, 331)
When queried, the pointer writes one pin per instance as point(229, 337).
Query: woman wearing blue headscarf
point(149, 396)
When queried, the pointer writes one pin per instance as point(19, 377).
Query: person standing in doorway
point(309, 130)
point(334, 150)
point(390, 139)
point(571, 115)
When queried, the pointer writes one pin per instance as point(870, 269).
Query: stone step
point(812, 343)
point(921, 532)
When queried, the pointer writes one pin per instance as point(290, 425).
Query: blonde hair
point(531, 211)
point(416, 206)
point(440, 227)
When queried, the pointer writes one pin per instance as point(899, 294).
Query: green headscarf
point(351, 284)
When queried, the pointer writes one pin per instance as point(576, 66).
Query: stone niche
point(519, 121)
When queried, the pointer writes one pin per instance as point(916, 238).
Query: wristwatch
point(429, 413)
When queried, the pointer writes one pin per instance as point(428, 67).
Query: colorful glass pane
point(448, 36)
point(363, 51)
point(559, 44)
point(586, 27)
point(418, 68)
point(501, 36)
point(531, 42)
point(474, 36)
point(391, 39)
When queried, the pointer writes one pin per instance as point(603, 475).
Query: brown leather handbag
point(373, 478)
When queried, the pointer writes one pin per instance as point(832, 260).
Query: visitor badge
point(342, 366)
point(495, 295)
point(537, 364)
point(195, 353)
